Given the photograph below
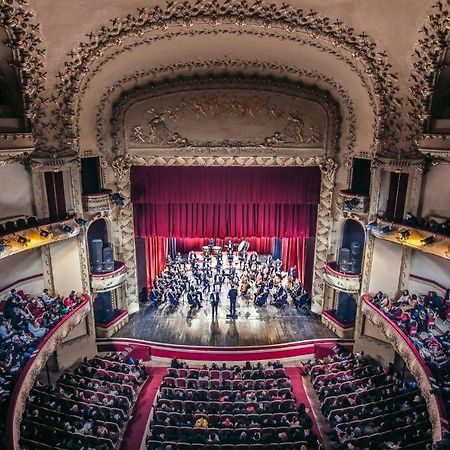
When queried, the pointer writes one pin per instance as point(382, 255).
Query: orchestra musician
point(214, 299)
point(232, 295)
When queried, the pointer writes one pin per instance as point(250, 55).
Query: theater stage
point(263, 325)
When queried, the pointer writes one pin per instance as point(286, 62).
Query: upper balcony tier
point(107, 281)
point(418, 238)
point(36, 235)
point(34, 366)
point(414, 361)
point(341, 281)
point(354, 203)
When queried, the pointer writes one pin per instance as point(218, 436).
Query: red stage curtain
point(294, 254)
point(155, 255)
point(219, 202)
point(299, 252)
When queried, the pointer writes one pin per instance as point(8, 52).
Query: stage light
point(385, 230)
point(67, 229)
point(22, 240)
point(80, 221)
point(404, 234)
point(428, 240)
point(353, 203)
point(371, 225)
point(117, 199)
point(44, 234)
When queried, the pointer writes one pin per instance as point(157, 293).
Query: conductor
point(232, 294)
point(214, 298)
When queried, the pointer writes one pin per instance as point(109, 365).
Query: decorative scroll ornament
point(428, 62)
point(29, 59)
point(173, 113)
point(341, 42)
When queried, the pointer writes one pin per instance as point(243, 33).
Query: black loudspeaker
point(355, 247)
point(108, 260)
point(346, 308)
point(96, 255)
point(344, 259)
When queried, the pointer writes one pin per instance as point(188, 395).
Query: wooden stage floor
point(254, 326)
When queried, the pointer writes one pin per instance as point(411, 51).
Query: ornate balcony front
point(354, 203)
point(436, 146)
point(97, 203)
point(341, 281)
point(414, 361)
point(418, 238)
point(107, 281)
point(33, 367)
point(37, 236)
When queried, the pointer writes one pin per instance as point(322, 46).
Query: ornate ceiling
point(378, 60)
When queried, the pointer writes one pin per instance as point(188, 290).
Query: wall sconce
point(428, 240)
point(22, 240)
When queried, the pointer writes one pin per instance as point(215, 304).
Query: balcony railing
point(37, 235)
point(33, 367)
point(107, 281)
point(341, 281)
point(418, 238)
point(414, 361)
point(354, 203)
point(97, 202)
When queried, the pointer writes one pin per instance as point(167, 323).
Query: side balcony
point(99, 202)
point(341, 281)
point(353, 203)
point(413, 360)
point(34, 366)
point(107, 281)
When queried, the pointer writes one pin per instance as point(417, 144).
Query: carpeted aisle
point(299, 393)
point(136, 426)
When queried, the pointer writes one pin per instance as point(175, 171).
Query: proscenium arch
point(297, 157)
point(334, 39)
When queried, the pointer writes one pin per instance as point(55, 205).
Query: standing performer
point(214, 298)
point(232, 294)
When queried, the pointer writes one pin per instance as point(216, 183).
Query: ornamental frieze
point(226, 118)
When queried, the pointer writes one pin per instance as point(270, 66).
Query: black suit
point(214, 297)
point(232, 294)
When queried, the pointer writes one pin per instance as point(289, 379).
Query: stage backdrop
point(221, 202)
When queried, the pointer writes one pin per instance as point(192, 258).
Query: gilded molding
point(350, 116)
point(241, 15)
point(24, 38)
point(428, 62)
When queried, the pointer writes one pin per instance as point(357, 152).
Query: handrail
point(118, 267)
point(330, 267)
point(33, 367)
point(416, 365)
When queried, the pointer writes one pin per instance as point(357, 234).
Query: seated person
point(281, 297)
point(262, 298)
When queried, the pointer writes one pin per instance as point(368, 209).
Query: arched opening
point(352, 244)
point(100, 251)
point(11, 108)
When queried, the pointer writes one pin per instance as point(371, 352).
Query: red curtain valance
point(225, 185)
point(225, 201)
